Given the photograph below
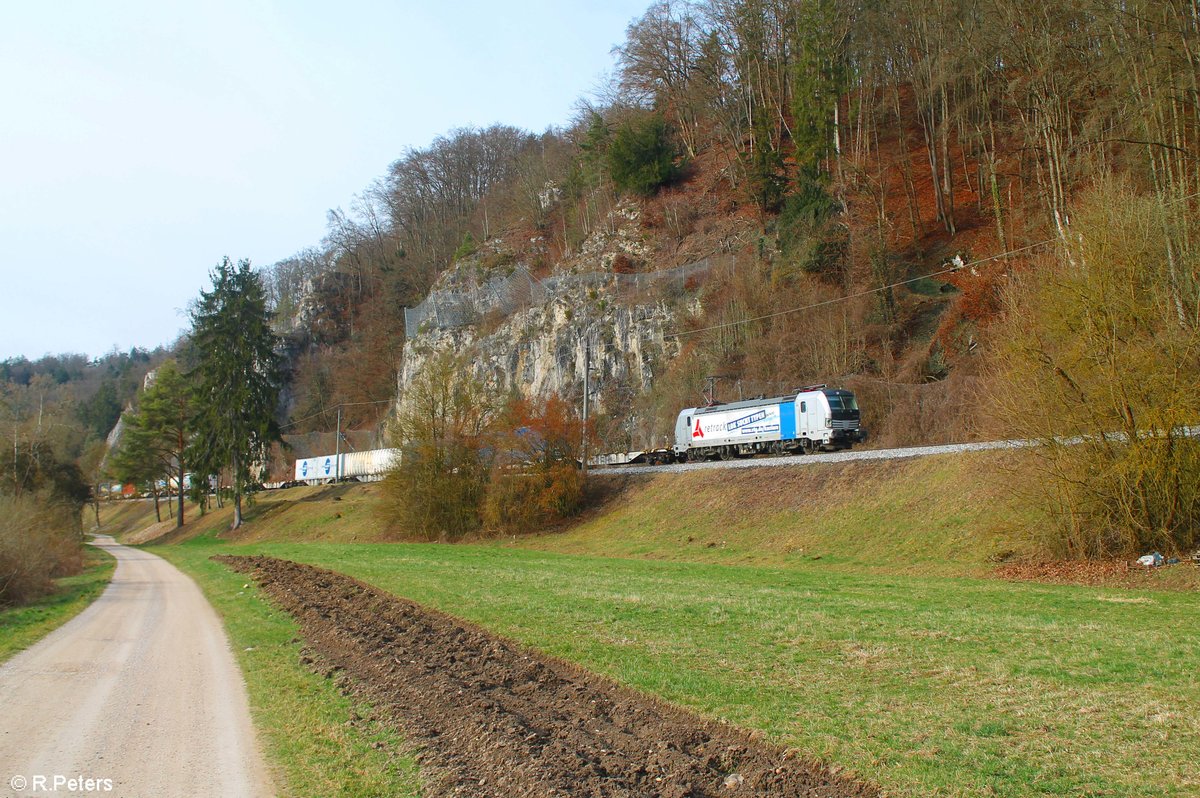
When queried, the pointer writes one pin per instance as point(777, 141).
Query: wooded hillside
point(835, 147)
point(903, 196)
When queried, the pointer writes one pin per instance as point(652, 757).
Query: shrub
point(807, 234)
point(766, 177)
point(536, 481)
point(1099, 360)
point(466, 249)
point(623, 264)
point(437, 489)
point(529, 499)
point(36, 545)
point(498, 260)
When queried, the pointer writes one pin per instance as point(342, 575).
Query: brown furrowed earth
point(495, 719)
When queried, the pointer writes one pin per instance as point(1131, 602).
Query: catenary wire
point(868, 292)
point(325, 410)
point(956, 267)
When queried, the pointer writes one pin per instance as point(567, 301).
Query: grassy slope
point(21, 627)
point(887, 655)
point(344, 513)
point(930, 515)
point(119, 517)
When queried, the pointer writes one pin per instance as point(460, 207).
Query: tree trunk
point(929, 129)
point(906, 171)
point(947, 166)
point(157, 512)
point(237, 494)
point(994, 186)
point(179, 517)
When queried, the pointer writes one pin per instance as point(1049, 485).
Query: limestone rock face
point(530, 336)
point(540, 349)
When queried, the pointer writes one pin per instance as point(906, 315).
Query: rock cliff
point(531, 336)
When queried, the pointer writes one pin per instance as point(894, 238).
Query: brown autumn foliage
point(536, 481)
point(38, 542)
point(436, 491)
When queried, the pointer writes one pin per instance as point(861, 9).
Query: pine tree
point(237, 376)
point(641, 155)
point(135, 461)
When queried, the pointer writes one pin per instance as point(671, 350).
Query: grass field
point(845, 611)
point(931, 515)
point(21, 627)
point(924, 684)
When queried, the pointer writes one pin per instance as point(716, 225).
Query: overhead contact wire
point(955, 268)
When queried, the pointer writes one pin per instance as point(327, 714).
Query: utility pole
point(337, 449)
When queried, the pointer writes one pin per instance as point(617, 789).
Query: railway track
point(792, 461)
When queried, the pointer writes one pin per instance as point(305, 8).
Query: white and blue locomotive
point(814, 418)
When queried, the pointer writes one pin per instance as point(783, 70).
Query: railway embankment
point(961, 513)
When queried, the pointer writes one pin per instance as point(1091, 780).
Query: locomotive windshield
point(842, 401)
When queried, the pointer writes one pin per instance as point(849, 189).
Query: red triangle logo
point(697, 432)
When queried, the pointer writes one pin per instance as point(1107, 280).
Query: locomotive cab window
point(843, 402)
point(804, 407)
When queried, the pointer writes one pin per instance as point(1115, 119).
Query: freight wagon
point(364, 466)
point(814, 418)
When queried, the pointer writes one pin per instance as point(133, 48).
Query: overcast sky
point(142, 140)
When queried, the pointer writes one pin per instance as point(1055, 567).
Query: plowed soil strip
point(496, 719)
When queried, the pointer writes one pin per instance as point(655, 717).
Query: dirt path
point(498, 720)
point(140, 689)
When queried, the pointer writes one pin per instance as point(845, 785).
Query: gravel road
point(139, 694)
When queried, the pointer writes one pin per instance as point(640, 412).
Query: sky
point(143, 140)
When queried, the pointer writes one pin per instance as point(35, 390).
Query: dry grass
point(121, 517)
point(344, 513)
point(934, 515)
point(24, 625)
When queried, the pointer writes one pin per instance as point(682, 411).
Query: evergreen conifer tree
point(237, 378)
